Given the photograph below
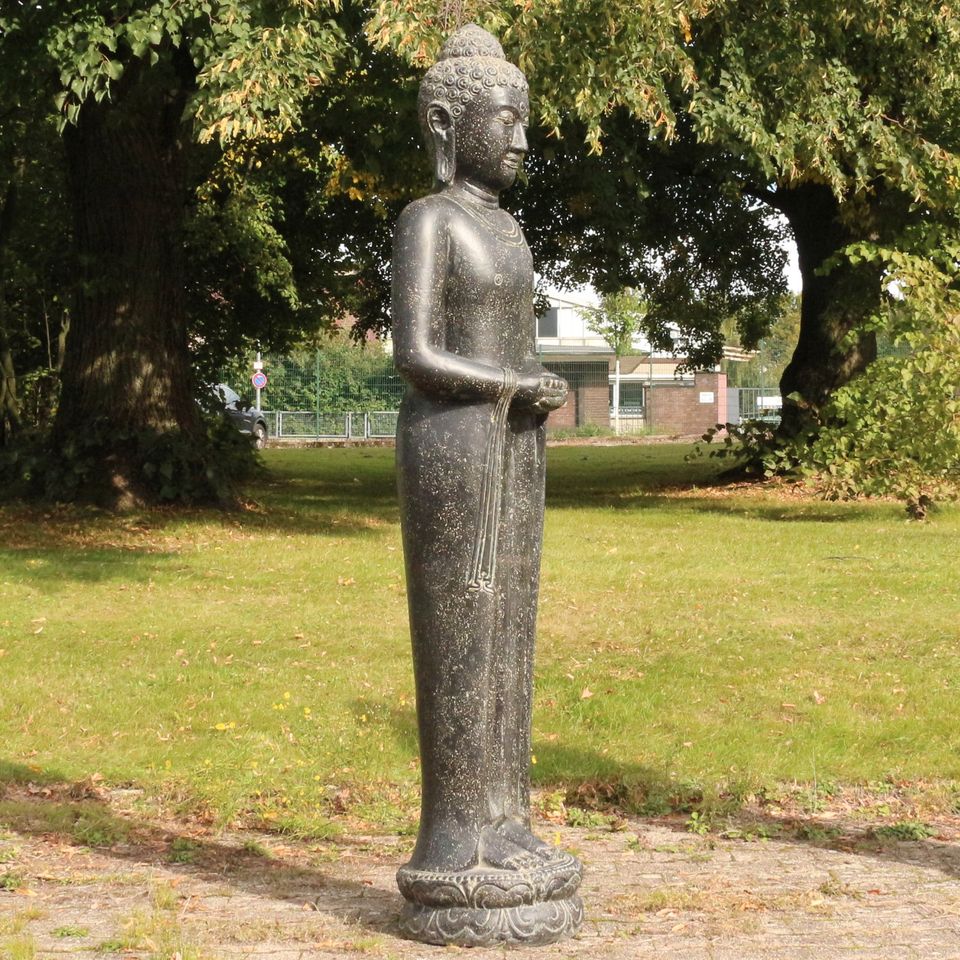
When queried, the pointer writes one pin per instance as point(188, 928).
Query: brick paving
point(652, 890)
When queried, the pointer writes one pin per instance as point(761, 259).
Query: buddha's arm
point(420, 269)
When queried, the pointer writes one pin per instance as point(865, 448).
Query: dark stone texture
point(470, 457)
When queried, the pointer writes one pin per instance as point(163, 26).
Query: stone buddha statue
point(471, 458)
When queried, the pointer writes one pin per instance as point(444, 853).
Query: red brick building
point(653, 395)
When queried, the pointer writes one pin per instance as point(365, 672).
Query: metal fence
point(755, 403)
point(631, 420)
point(342, 391)
point(345, 392)
point(342, 378)
point(352, 425)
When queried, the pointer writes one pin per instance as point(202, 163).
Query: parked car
point(247, 419)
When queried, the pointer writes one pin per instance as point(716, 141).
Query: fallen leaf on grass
point(586, 693)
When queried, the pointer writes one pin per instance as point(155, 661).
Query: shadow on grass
point(35, 803)
point(615, 790)
point(343, 490)
point(592, 782)
point(65, 545)
point(349, 493)
point(50, 568)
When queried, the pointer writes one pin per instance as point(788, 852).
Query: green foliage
point(906, 830)
point(592, 819)
point(170, 467)
point(335, 376)
point(773, 351)
point(796, 91)
point(582, 59)
point(895, 431)
point(699, 823)
point(97, 831)
point(253, 62)
point(618, 320)
point(183, 850)
point(661, 219)
point(759, 99)
point(35, 265)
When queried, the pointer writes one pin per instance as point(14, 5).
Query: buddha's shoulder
point(433, 210)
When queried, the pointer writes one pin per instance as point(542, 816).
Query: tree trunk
point(126, 373)
point(9, 399)
point(832, 305)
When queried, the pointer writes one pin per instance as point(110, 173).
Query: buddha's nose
point(519, 144)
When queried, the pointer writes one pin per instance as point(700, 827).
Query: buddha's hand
point(543, 391)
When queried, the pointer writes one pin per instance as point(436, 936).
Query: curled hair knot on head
point(471, 63)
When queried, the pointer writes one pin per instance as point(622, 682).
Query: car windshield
point(229, 397)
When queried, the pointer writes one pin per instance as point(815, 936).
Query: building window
point(547, 324)
point(631, 395)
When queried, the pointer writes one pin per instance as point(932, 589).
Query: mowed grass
point(693, 638)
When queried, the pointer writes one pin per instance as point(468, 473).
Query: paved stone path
point(652, 890)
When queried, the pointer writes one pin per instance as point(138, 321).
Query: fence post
point(316, 388)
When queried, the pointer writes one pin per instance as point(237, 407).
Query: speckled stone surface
point(470, 458)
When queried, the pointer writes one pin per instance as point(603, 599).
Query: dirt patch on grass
point(831, 885)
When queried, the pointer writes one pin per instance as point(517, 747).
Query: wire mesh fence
point(346, 392)
point(338, 392)
point(342, 378)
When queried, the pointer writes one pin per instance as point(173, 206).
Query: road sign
point(259, 379)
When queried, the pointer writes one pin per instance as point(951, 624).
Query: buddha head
point(474, 110)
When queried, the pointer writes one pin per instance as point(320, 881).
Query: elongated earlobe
point(444, 142)
point(446, 160)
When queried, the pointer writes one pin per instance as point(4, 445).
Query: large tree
point(846, 122)
point(137, 85)
point(844, 119)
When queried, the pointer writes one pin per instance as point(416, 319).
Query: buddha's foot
point(544, 922)
point(517, 833)
point(501, 852)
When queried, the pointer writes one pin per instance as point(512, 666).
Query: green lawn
point(692, 638)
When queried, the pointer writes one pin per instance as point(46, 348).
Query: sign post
point(259, 379)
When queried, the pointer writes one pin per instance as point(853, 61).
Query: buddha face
point(491, 138)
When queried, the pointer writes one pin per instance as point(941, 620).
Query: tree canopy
point(844, 117)
point(134, 85)
point(230, 170)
